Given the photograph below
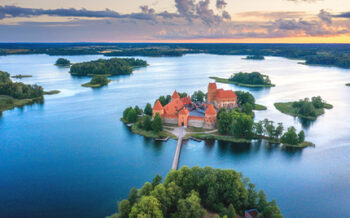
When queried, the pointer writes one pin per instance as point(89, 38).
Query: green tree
point(198, 96)
point(191, 206)
point(290, 137)
point(156, 180)
point(245, 97)
point(131, 116)
point(161, 195)
point(124, 208)
point(247, 108)
point(157, 124)
point(99, 79)
point(148, 109)
point(231, 212)
point(147, 123)
point(148, 206)
point(138, 110)
point(242, 126)
point(279, 130)
point(133, 196)
point(224, 121)
point(301, 136)
point(146, 189)
point(258, 128)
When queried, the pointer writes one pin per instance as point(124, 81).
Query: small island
point(97, 81)
point(16, 94)
point(198, 192)
point(254, 80)
point(113, 66)
point(52, 92)
point(254, 57)
point(62, 62)
point(348, 84)
point(20, 76)
point(304, 108)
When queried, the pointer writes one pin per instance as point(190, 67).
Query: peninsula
point(254, 80)
point(194, 192)
point(15, 94)
point(304, 108)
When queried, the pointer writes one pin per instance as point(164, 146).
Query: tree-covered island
point(255, 57)
point(193, 192)
point(62, 62)
point(17, 94)
point(304, 108)
point(97, 81)
point(233, 125)
point(348, 84)
point(254, 79)
point(113, 66)
point(20, 76)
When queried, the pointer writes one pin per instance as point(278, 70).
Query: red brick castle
point(183, 112)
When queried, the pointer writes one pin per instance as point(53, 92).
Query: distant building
point(183, 112)
point(254, 213)
point(221, 98)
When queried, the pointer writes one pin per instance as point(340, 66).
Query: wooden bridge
point(178, 150)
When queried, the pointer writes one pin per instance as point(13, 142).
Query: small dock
point(178, 150)
point(195, 139)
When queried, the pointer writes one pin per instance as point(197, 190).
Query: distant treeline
point(113, 66)
point(323, 54)
point(18, 90)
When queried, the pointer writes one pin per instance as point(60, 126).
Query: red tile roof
point(186, 100)
point(157, 106)
point(184, 111)
point(210, 110)
point(175, 95)
point(226, 94)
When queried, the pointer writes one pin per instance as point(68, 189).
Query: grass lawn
point(8, 103)
point(217, 137)
point(150, 134)
point(287, 108)
point(223, 80)
point(196, 129)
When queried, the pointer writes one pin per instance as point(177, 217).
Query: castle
point(183, 112)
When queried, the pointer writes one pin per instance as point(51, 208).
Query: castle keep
point(183, 112)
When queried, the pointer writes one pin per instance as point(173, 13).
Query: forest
point(18, 90)
point(113, 66)
point(191, 192)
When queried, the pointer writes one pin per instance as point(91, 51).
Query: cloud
point(220, 4)
point(343, 15)
point(308, 1)
point(14, 11)
point(273, 14)
point(325, 17)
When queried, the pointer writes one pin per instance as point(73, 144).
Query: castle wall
point(196, 123)
point(170, 120)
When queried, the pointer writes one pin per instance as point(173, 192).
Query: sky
point(213, 21)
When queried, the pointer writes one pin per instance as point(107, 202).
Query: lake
point(72, 157)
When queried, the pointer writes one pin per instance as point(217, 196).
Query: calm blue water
point(72, 157)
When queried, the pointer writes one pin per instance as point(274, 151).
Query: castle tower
point(175, 96)
point(211, 92)
point(183, 117)
point(210, 115)
point(157, 108)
